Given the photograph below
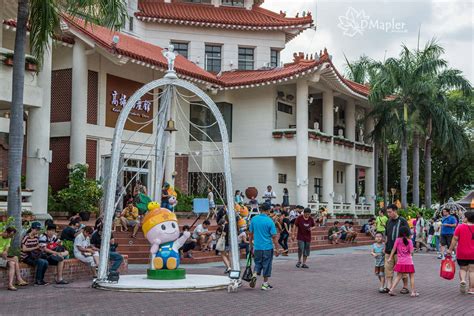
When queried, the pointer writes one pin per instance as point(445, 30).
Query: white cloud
point(451, 22)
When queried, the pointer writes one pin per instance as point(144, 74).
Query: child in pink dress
point(404, 265)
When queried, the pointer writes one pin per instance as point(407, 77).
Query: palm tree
point(396, 86)
point(448, 134)
point(42, 18)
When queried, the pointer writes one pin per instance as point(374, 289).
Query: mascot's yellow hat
point(156, 217)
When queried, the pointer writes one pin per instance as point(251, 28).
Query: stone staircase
point(138, 249)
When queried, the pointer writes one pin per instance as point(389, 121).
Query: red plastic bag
point(448, 268)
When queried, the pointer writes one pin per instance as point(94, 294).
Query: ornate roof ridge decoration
point(148, 55)
point(256, 18)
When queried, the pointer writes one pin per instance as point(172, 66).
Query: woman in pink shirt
point(464, 239)
point(403, 247)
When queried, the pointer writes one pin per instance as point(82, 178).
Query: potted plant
point(3, 216)
point(8, 59)
point(277, 134)
point(82, 195)
point(27, 215)
point(31, 64)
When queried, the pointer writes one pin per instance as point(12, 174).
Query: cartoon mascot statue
point(160, 227)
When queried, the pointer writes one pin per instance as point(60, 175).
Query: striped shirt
point(29, 242)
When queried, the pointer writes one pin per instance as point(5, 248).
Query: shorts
point(465, 262)
point(389, 266)
point(263, 262)
point(304, 248)
point(343, 236)
point(420, 238)
point(445, 240)
point(131, 222)
point(212, 204)
point(379, 270)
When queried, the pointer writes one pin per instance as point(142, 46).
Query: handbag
point(248, 274)
point(448, 268)
point(220, 245)
point(3, 262)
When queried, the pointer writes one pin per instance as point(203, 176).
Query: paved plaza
point(339, 281)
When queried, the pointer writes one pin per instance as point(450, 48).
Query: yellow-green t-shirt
point(381, 223)
point(4, 243)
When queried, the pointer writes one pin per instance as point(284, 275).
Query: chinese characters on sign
point(119, 91)
point(121, 101)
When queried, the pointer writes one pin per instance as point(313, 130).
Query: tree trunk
point(403, 168)
point(15, 150)
point(376, 167)
point(428, 145)
point(385, 174)
point(416, 169)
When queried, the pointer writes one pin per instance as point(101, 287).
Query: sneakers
point(41, 283)
point(440, 256)
point(253, 281)
point(463, 287)
point(266, 287)
point(304, 266)
point(298, 265)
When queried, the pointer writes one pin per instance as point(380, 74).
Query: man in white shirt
point(84, 251)
point(269, 195)
point(203, 236)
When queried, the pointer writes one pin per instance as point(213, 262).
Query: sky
point(378, 28)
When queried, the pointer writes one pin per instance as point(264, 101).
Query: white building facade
point(299, 125)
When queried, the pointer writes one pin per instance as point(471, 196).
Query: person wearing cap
point(263, 240)
point(31, 253)
point(129, 218)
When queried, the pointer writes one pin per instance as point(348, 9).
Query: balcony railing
point(320, 136)
point(341, 208)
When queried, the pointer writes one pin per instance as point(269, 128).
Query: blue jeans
point(116, 259)
point(41, 267)
point(263, 262)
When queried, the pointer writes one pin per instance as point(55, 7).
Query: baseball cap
point(36, 225)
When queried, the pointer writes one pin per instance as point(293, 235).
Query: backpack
point(141, 202)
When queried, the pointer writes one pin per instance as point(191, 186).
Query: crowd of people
point(42, 247)
point(396, 241)
point(264, 235)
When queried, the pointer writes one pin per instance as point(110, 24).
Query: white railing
point(25, 204)
point(341, 208)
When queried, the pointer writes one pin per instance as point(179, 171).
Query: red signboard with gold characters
point(119, 90)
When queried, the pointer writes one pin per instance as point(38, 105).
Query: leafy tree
point(42, 17)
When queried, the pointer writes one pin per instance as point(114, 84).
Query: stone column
point(350, 185)
point(302, 142)
point(328, 112)
point(350, 120)
point(78, 104)
point(38, 132)
point(328, 184)
point(369, 188)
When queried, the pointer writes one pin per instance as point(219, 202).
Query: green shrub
point(69, 245)
point(82, 194)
